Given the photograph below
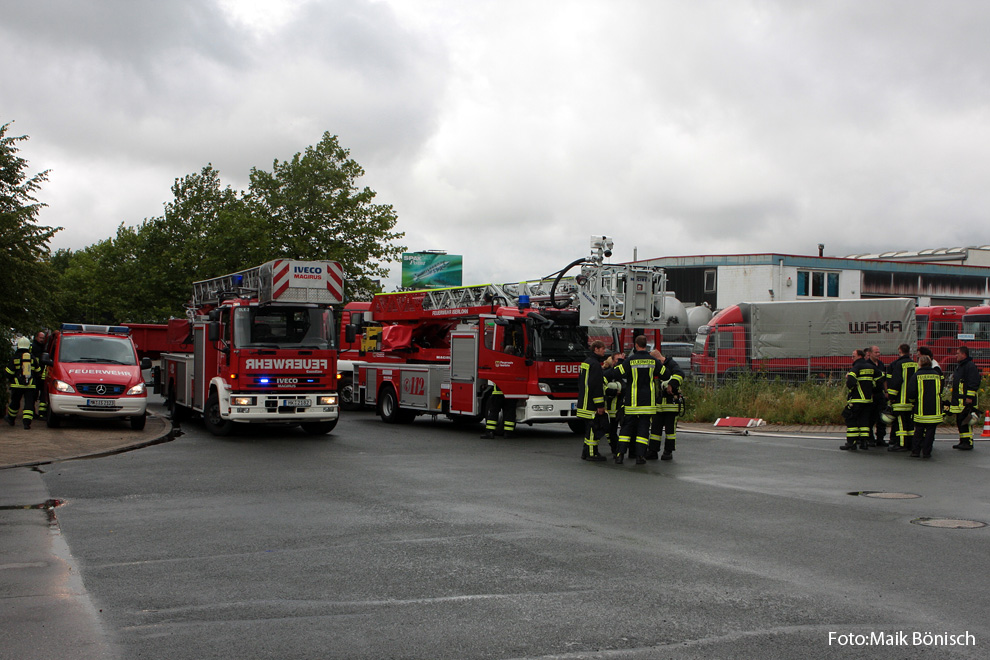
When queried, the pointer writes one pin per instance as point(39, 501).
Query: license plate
point(100, 403)
point(295, 403)
point(574, 406)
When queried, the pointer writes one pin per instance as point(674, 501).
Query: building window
point(817, 284)
point(709, 281)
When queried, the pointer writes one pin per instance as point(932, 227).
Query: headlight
point(243, 401)
point(326, 401)
point(544, 387)
point(137, 389)
point(63, 387)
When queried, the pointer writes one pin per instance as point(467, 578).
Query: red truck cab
point(939, 328)
point(94, 371)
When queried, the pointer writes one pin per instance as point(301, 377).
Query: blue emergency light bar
point(96, 329)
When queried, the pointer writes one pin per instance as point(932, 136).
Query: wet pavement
point(46, 612)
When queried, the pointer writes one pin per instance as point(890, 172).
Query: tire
point(318, 428)
point(388, 408)
point(576, 426)
point(346, 393)
point(53, 421)
point(216, 424)
point(138, 422)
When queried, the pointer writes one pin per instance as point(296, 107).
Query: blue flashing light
point(263, 380)
point(238, 279)
point(524, 302)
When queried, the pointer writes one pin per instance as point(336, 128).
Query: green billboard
point(430, 270)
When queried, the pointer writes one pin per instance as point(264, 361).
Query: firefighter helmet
point(887, 415)
point(23, 343)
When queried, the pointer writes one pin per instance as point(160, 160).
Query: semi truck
point(257, 346)
point(801, 339)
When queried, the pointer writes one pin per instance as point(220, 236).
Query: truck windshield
point(283, 327)
point(103, 350)
point(561, 343)
point(977, 325)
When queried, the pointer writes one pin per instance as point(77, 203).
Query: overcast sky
point(511, 131)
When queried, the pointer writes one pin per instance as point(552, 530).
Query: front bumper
point(273, 408)
point(75, 404)
point(544, 410)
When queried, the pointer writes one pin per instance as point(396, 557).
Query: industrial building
point(944, 276)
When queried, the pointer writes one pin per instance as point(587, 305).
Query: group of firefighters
point(633, 401)
point(910, 395)
point(26, 375)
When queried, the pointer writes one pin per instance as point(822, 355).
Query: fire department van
point(93, 371)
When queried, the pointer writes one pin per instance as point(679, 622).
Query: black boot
point(618, 459)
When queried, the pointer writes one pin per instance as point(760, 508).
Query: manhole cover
point(881, 495)
point(949, 523)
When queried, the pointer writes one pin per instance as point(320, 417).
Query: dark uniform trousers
point(498, 403)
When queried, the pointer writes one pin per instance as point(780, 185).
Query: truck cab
point(720, 346)
point(94, 371)
point(976, 335)
point(939, 328)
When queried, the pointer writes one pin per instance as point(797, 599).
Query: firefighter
point(877, 427)
point(925, 393)
point(965, 383)
point(859, 399)
point(24, 371)
point(499, 403)
point(613, 404)
point(37, 350)
point(591, 401)
point(898, 376)
point(638, 373)
point(670, 406)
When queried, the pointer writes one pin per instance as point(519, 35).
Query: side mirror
point(46, 360)
point(350, 333)
point(213, 331)
point(145, 363)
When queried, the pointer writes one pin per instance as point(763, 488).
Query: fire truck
point(258, 346)
point(440, 351)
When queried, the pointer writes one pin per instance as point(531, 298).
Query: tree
point(25, 304)
point(314, 210)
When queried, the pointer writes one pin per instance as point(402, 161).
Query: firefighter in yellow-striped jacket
point(24, 371)
point(638, 374)
point(925, 392)
point(668, 408)
point(591, 401)
point(899, 374)
point(965, 386)
point(859, 401)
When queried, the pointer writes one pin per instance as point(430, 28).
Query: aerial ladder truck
point(440, 351)
point(258, 345)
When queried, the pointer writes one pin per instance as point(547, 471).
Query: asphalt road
point(424, 541)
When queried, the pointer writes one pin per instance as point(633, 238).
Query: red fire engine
point(258, 347)
point(440, 351)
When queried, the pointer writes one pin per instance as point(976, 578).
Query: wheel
point(176, 412)
point(345, 391)
point(388, 408)
point(318, 428)
point(138, 421)
point(212, 419)
point(53, 421)
point(576, 426)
